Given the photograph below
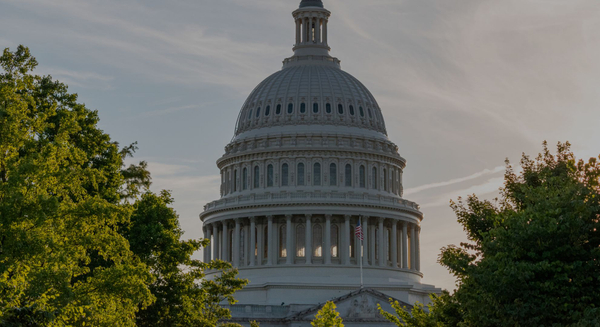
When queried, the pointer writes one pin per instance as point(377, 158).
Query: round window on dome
point(258, 112)
point(290, 108)
point(278, 110)
point(250, 114)
point(316, 108)
point(370, 114)
point(302, 108)
point(268, 110)
point(340, 109)
point(362, 111)
point(328, 108)
point(352, 110)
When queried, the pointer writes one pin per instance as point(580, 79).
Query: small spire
point(311, 3)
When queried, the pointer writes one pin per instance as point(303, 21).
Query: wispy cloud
point(482, 190)
point(454, 181)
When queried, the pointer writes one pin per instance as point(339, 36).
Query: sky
point(463, 84)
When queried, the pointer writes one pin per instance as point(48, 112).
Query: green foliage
point(62, 259)
point(534, 256)
point(327, 317)
point(442, 312)
point(154, 234)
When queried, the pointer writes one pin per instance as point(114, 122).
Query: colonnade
point(311, 29)
point(314, 239)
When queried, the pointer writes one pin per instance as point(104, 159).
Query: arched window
point(300, 174)
point(302, 107)
point(317, 174)
point(352, 237)
point(256, 177)
point(250, 114)
point(332, 175)
point(290, 108)
point(278, 109)
point(385, 180)
point(267, 110)
point(245, 179)
point(235, 180)
point(374, 178)
point(258, 112)
point(317, 237)
point(335, 241)
point(362, 177)
point(315, 108)
point(270, 176)
point(266, 243)
point(361, 111)
point(328, 108)
point(284, 175)
point(351, 110)
point(283, 241)
point(340, 109)
point(300, 241)
point(348, 175)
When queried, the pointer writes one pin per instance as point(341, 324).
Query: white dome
point(310, 92)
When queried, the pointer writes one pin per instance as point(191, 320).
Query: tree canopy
point(327, 317)
point(82, 241)
point(534, 254)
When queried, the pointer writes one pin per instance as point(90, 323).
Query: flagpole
point(361, 263)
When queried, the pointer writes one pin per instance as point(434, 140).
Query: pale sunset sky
point(463, 84)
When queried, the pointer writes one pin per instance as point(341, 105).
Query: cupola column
point(270, 233)
point(327, 249)
point(404, 245)
point(318, 30)
point(298, 31)
point(366, 239)
point(308, 245)
point(418, 248)
point(252, 240)
point(216, 243)
point(225, 248)
point(394, 248)
point(288, 239)
point(325, 31)
point(346, 241)
point(304, 30)
point(413, 247)
point(380, 236)
point(236, 244)
point(207, 250)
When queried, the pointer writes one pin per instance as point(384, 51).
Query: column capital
point(347, 217)
point(288, 216)
point(270, 217)
point(328, 216)
point(308, 216)
point(252, 219)
point(380, 219)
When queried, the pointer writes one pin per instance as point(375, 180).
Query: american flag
point(359, 232)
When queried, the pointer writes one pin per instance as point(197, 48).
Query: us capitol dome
point(309, 160)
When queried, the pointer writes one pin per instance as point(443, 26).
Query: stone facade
point(311, 159)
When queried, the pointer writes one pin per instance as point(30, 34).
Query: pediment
point(360, 305)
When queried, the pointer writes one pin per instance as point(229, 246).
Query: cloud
point(483, 189)
point(454, 181)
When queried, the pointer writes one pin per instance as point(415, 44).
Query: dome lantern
point(311, 29)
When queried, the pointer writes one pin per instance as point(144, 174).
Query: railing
point(295, 197)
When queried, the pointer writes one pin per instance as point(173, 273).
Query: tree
point(62, 259)
point(154, 234)
point(534, 256)
point(442, 312)
point(327, 317)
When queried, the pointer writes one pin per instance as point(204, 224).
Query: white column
point(346, 241)
point(207, 250)
point(225, 236)
point(216, 242)
point(394, 248)
point(318, 30)
point(382, 259)
point(413, 254)
point(327, 249)
point(308, 253)
point(270, 233)
point(304, 30)
point(367, 238)
point(236, 244)
point(252, 240)
point(325, 31)
point(372, 246)
point(298, 32)
point(357, 244)
point(418, 248)
point(404, 245)
point(289, 245)
point(260, 244)
point(247, 245)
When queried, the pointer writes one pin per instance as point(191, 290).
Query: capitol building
point(310, 160)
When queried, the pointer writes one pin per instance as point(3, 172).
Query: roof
point(311, 3)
